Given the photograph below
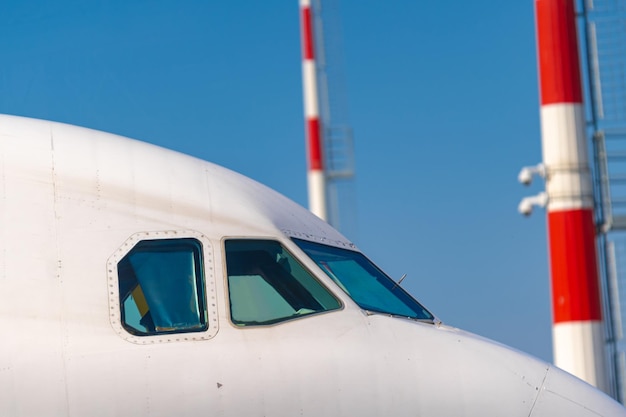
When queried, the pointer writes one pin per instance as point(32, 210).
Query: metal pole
point(578, 329)
point(316, 175)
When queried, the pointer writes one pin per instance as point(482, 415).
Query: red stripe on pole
point(575, 287)
point(559, 66)
point(315, 144)
point(307, 34)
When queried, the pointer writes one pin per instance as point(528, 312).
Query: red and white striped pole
point(578, 330)
point(316, 176)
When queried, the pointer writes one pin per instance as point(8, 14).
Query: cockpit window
point(367, 285)
point(161, 287)
point(268, 285)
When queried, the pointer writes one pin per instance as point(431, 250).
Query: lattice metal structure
point(334, 118)
point(603, 29)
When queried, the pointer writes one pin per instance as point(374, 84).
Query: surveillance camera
point(525, 207)
point(525, 176)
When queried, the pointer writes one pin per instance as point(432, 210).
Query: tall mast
point(578, 328)
point(316, 176)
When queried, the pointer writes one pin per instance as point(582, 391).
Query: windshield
point(268, 285)
point(367, 285)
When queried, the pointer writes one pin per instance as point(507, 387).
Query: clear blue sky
point(442, 99)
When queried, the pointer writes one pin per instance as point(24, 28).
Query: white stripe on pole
point(565, 153)
point(586, 339)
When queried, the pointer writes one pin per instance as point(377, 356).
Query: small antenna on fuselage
point(397, 284)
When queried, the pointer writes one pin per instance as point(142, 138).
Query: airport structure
point(582, 54)
point(601, 25)
point(315, 159)
point(329, 147)
point(578, 328)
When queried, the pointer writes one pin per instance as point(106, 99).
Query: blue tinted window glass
point(162, 287)
point(367, 285)
point(268, 285)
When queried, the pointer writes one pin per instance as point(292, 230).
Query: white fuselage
point(74, 202)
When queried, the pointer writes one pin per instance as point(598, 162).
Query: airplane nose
point(456, 373)
point(561, 394)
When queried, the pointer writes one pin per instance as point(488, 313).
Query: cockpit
point(162, 285)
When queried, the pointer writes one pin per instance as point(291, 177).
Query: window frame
point(207, 294)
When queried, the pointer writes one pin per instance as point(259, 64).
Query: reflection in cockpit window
point(267, 285)
point(162, 288)
point(367, 285)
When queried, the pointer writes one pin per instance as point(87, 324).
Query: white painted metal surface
point(586, 339)
point(73, 201)
point(317, 193)
point(566, 157)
